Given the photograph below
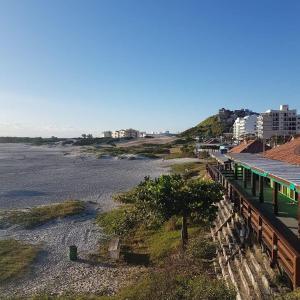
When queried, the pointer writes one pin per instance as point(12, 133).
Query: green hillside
point(210, 127)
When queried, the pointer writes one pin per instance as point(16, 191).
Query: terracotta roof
point(289, 152)
point(253, 146)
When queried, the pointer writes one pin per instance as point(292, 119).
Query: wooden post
point(275, 198)
point(244, 178)
point(274, 250)
point(249, 218)
point(235, 171)
point(253, 183)
point(261, 188)
point(296, 279)
point(260, 229)
point(230, 193)
point(297, 197)
point(235, 199)
point(241, 205)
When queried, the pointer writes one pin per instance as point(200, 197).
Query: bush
point(128, 197)
point(294, 295)
point(201, 248)
point(118, 221)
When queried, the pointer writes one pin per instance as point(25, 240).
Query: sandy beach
point(33, 176)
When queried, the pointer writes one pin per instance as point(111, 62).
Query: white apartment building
point(125, 133)
point(282, 122)
point(244, 127)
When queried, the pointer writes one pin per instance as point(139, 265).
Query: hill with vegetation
point(210, 127)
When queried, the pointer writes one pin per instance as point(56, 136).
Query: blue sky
point(69, 66)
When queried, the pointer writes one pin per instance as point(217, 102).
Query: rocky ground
point(38, 175)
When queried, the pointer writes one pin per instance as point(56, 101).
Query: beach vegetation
point(15, 258)
point(39, 215)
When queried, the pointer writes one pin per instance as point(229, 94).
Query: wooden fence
point(283, 246)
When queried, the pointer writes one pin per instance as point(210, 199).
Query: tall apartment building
point(244, 127)
point(282, 122)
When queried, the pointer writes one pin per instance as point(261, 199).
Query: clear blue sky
point(68, 67)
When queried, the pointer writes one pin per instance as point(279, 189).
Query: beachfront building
point(283, 122)
point(244, 127)
point(265, 191)
point(125, 133)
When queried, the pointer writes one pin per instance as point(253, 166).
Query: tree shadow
point(132, 258)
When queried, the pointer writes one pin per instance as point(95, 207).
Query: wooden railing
point(283, 245)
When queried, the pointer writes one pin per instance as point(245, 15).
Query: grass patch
point(42, 214)
point(15, 258)
point(162, 243)
point(189, 169)
point(178, 152)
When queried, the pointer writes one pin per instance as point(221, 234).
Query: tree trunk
point(184, 231)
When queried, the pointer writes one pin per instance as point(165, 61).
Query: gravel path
point(33, 176)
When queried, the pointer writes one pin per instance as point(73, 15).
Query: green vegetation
point(210, 127)
point(15, 258)
point(146, 150)
point(154, 202)
point(149, 227)
point(294, 295)
point(190, 169)
point(171, 195)
point(42, 214)
point(173, 275)
point(118, 221)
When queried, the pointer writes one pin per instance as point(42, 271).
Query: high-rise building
point(282, 122)
point(244, 127)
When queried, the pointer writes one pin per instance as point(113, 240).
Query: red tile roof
point(253, 146)
point(288, 152)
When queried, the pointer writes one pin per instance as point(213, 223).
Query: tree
point(170, 195)
point(84, 135)
point(89, 136)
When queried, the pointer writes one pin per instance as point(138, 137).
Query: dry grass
point(42, 214)
point(15, 258)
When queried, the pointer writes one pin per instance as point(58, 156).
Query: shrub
point(201, 248)
point(118, 221)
